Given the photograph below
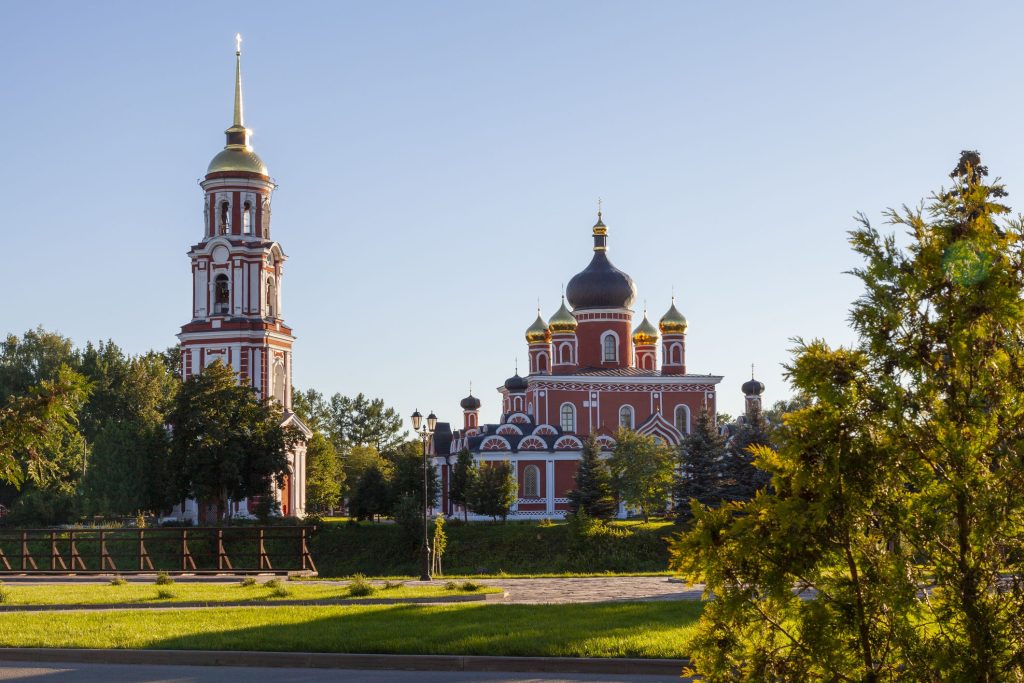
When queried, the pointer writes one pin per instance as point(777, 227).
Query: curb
point(319, 660)
point(198, 604)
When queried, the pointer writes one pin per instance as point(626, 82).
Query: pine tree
point(701, 457)
point(462, 481)
point(593, 493)
point(739, 478)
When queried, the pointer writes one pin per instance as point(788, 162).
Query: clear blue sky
point(439, 165)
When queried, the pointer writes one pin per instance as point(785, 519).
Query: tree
point(370, 496)
point(593, 493)
point(364, 422)
point(897, 491)
point(358, 459)
point(494, 491)
point(462, 480)
point(701, 458)
point(642, 471)
point(407, 477)
point(739, 478)
point(127, 469)
point(313, 409)
point(324, 475)
point(225, 443)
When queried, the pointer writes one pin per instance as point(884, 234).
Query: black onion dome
point(600, 284)
point(752, 387)
point(516, 384)
point(471, 402)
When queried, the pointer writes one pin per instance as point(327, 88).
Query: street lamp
point(425, 432)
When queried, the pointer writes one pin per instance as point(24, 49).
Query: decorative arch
point(509, 430)
point(495, 443)
point(542, 362)
point(532, 443)
point(545, 430)
point(682, 418)
point(531, 481)
point(565, 354)
point(280, 385)
point(609, 347)
point(675, 353)
point(518, 418)
point(658, 426)
point(607, 443)
point(221, 295)
point(568, 443)
point(271, 297)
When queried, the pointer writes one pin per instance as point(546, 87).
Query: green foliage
point(407, 476)
point(701, 457)
point(164, 594)
point(371, 496)
point(642, 472)
point(280, 591)
point(273, 583)
point(349, 422)
point(359, 587)
point(5, 593)
point(463, 475)
point(164, 579)
point(739, 478)
point(593, 493)
point(249, 582)
point(225, 443)
point(127, 468)
point(438, 546)
point(900, 470)
point(494, 490)
point(118, 581)
point(325, 477)
point(408, 514)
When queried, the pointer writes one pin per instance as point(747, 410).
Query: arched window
point(221, 295)
point(247, 218)
point(224, 216)
point(542, 362)
point(271, 298)
point(531, 481)
point(677, 354)
point(568, 417)
point(279, 384)
point(565, 353)
point(610, 348)
point(626, 417)
point(683, 419)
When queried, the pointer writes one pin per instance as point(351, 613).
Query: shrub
point(451, 586)
point(164, 594)
point(162, 579)
point(273, 583)
point(360, 587)
point(249, 581)
point(279, 591)
point(469, 586)
point(117, 581)
point(388, 585)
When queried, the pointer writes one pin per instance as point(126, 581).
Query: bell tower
point(236, 285)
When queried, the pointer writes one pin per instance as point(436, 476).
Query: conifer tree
point(739, 478)
point(593, 493)
point(701, 458)
point(461, 484)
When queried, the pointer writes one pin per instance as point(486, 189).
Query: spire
point(238, 134)
point(600, 230)
point(239, 121)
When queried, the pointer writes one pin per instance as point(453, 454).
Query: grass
point(654, 629)
point(134, 593)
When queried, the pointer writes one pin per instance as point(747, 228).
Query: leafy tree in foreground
point(370, 496)
point(593, 493)
point(324, 475)
point(494, 490)
point(642, 471)
point(701, 457)
point(225, 442)
point(905, 470)
point(462, 480)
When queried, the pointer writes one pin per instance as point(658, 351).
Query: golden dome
point(645, 333)
point(673, 322)
point(237, 159)
point(563, 320)
point(538, 331)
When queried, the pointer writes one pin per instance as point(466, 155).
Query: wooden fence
point(175, 550)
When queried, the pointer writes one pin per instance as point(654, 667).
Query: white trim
point(561, 421)
point(604, 336)
point(632, 416)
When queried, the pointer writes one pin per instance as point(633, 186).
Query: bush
point(117, 581)
point(451, 586)
point(279, 591)
point(389, 585)
point(164, 594)
point(360, 587)
point(162, 579)
point(273, 583)
point(469, 586)
point(249, 581)
point(408, 514)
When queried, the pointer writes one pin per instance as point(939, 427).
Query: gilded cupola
point(237, 155)
point(645, 333)
point(538, 332)
point(673, 322)
point(563, 320)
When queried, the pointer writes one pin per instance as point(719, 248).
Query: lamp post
point(425, 431)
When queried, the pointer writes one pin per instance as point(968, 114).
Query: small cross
point(238, 43)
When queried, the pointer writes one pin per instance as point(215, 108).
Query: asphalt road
point(36, 672)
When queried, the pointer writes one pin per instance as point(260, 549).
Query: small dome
point(538, 331)
point(516, 384)
point(752, 387)
point(563, 320)
point(237, 158)
point(471, 402)
point(645, 333)
point(673, 322)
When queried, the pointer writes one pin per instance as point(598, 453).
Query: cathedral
point(236, 298)
point(590, 372)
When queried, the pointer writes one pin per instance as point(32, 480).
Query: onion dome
point(600, 284)
point(563, 320)
point(471, 402)
point(538, 331)
point(673, 322)
point(645, 333)
point(752, 387)
point(237, 154)
point(516, 384)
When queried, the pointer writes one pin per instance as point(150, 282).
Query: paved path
point(37, 672)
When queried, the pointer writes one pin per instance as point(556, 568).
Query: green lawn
point(653, 629)
point(134, 593)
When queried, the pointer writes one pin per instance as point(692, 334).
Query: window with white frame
point(221, 295)
point(610, 348)
point(531, 481)
point(247, 218)
point(626, 417)
point(683, 419)
point(567, 416)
